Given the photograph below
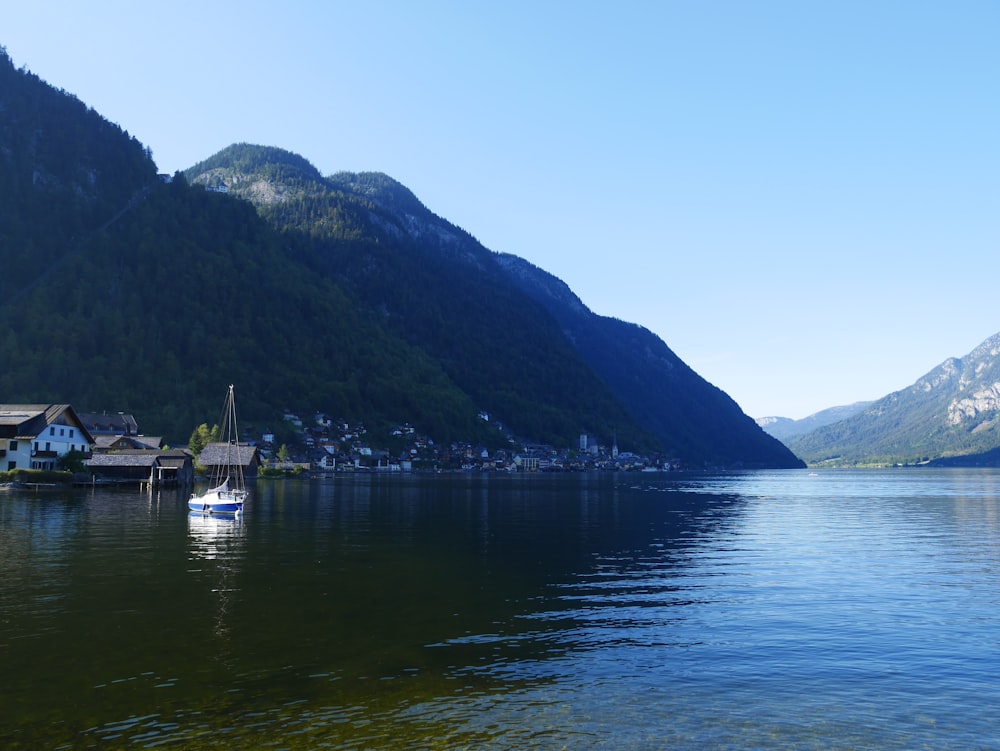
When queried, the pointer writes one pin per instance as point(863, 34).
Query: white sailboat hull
point(218, 501)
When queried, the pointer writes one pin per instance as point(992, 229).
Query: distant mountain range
point(344, 294)
point(785, 428)
point(950, 416)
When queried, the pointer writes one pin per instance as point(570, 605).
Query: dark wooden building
point(214, 455)
point(156, 467)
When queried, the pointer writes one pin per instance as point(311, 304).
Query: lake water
point(795, 609)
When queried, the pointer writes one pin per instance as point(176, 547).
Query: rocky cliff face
point(978, 390)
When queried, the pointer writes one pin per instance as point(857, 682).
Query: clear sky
point(800, 198)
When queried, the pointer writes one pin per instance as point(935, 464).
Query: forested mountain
point(190, 290)
point(480, 314)
point(64, 171)
point(125, 291)
point(665, 395)
point(435, 288)
point(951, 415)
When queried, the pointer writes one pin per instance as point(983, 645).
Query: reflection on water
point(219, 540)
point(213, 537)
point(834, 610)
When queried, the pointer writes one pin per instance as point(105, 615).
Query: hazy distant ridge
point(786, 428)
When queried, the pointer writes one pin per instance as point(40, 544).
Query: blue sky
point(800, 198)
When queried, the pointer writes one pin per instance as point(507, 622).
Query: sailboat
point(227, 490)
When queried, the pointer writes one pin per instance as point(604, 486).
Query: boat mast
point(236, 434)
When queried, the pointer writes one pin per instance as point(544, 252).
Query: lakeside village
point(37, 439)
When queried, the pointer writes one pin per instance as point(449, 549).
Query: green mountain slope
point(951, 414)
point(64, 171)
point(436, 286)
point(191, 290)
point(688, 414)
point(433, 285)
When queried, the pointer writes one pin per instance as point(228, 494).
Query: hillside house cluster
point(329, 444)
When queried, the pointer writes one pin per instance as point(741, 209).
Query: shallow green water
point(767, 610)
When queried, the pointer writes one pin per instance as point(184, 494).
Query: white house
point(35, 436)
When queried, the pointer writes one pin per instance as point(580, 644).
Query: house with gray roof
point(36, 436)
point(101, 423)
point(105, 443)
